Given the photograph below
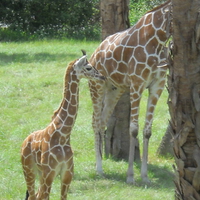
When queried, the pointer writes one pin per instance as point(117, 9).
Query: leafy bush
point(139, 7)
point(78, 19)
point(49, 18)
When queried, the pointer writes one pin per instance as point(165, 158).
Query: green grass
point(31, 85)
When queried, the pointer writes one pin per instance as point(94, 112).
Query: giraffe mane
point(159, 6)
point(68, 70)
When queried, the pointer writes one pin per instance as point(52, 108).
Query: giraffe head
point(83, 69)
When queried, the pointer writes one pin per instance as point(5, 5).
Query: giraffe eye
point(88, 68)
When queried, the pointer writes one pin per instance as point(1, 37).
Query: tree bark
point(115, 18)
point(165, 147)
point(184, 98)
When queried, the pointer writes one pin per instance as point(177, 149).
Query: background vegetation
point(39, 19)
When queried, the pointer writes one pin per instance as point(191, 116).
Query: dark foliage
point(39, 19)
point(50, 18)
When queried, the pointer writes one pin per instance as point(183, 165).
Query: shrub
point(139, 7)
point(77, 19)
point(49, 18)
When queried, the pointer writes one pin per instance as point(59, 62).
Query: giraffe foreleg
point(99, 151)
point(112, 95)
point(144, 170)
point(135, 97)
point(66, 180)
point(97, 94)
point(28, 169)
point(66, 176)
point(155, 90)
point(146, 136)
point(133, 142)
point(30, 182)
point(47, 178)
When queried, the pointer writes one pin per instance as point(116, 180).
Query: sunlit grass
point(31, 85)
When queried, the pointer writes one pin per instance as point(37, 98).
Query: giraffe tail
point(27, 195)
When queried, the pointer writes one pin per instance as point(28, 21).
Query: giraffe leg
point(133, 142)
point(155, 91)
point(135, 97)
point(29, 175)
point(109, 102)
point(66, 180)
point(66, 177)
point(104, 100)
point(47, 178)
point(29, 172)
point(97, 93)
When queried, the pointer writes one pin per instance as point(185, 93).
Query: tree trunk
point(184, 98)
point(165, 147)
point(114, 15)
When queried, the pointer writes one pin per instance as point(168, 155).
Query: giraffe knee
point(133, 130)
point(147, 134)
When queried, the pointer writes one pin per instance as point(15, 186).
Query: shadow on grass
point(38, 57)
point(160, 177)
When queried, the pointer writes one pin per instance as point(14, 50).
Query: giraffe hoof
point(100, 172)
point(130, 180)
point(146, 180)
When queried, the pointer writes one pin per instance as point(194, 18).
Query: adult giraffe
point(133, 60)
point(48, 152)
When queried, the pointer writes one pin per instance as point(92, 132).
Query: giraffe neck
point(155, 24)
point(161, 21)
point(65, 116)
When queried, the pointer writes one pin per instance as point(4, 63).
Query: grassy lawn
point(31, 85)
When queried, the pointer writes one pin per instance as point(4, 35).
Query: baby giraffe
point(48, 152)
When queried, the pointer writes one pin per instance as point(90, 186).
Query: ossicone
point(83, 51)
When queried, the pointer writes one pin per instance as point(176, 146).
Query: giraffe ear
point(81, 61)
